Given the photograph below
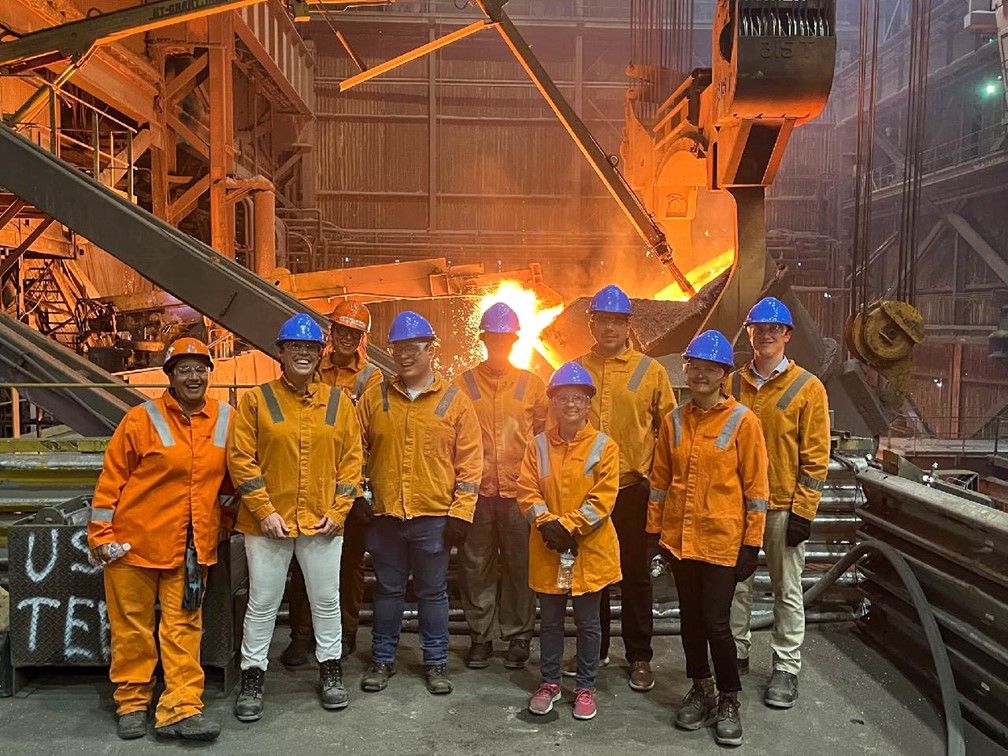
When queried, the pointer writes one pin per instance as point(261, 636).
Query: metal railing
point(986, 142)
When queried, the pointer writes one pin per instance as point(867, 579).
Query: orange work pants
point(131, 593)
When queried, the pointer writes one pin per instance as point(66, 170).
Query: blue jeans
point(398, 548)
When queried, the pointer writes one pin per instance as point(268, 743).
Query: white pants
point(785, 564)
point(268, 560)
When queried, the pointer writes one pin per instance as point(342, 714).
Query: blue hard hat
point(611, 299)
point(570, 374)
point(409, 325)
point(770, 310)
point(713, 347)
point(499, 318)
point(302, 327)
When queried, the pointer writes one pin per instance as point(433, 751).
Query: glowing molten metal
point(700, 276)
point(532, 316)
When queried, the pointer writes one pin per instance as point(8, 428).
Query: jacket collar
point(170, 403)
point(553, 434)
point(623, 356)
point(438, 384)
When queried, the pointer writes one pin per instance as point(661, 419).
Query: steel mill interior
point(192, 191)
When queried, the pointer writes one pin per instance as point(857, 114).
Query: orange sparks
point(531, 314)
point(700, 276)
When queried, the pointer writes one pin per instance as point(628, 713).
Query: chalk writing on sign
point(58, 610)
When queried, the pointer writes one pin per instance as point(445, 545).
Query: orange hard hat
point(352, 315)
point(187, 346)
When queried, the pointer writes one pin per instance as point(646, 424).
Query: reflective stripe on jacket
point(632, 396)
point(298, 455)
point(794, 410)
point(576, 483)
point(162, 471)
point(353, 379)
point(511, 408)
point(709, 484)
point(425, 455)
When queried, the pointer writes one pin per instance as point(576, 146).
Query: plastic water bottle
point(658, 566)
point(565, 574)
point(117, 550)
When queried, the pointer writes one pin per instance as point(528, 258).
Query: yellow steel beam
point(412, 55)
point(77, 38)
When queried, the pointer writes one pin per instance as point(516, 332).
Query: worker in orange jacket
point(344, 366)
point(792, 405)
point(634, 394)
point(706, 515)
point(425, 462)
point(567, 490)
point(295, 457)
point(158, 499)
point(511, 405)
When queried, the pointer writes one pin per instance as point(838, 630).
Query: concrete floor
point(852, 702)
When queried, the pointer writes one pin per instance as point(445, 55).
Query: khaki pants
point(130, 593)
point(785, 564)
point(494, 568)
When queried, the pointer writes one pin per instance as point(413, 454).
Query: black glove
point(455, 533)
point(653, 548)
point(361, 512)
point(557, 538)
point(748, 558)
point(798, 529)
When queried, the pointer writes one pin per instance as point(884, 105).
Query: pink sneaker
point(584, 703)
point(542, 700)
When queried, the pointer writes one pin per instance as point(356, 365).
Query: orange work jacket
point(709, 484)
point(425, 455)
point(298, 455)
point(575, 482)
point(794, 411)
point(162, 471)
point(353, 379)
point(511, 408)
point(633, 394)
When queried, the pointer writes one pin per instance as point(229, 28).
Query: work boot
point(743, 666)
point(377, 676)
point(728, 730)
point(699, 706)
point(249, 706)
point(782, 692)
point(298, 653)
point(334, 695)
point(641, 676)
point(438, 681)
point(132, 725)
point(570, 666)
point(479, 655)
point(196, 727)
point(517, 654)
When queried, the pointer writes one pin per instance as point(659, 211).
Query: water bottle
point(117, 550)
point(565, 574)
point(658, 566)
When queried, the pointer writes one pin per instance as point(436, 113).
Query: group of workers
point(547, 491)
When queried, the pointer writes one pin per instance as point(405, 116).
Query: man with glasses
point(791, 404)
point(511, 406)
point(344, 366)
point(634, 395)
point(425, 463)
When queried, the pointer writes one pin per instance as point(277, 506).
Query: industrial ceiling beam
point(76, 39)
point(216, 287)
point(985, 251)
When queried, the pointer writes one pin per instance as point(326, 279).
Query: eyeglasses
point(575, 400)
point(300, 347)
point(343, 333)
point(407, 350)
point(186, 370)
point(610, 321)
point(773, 329)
